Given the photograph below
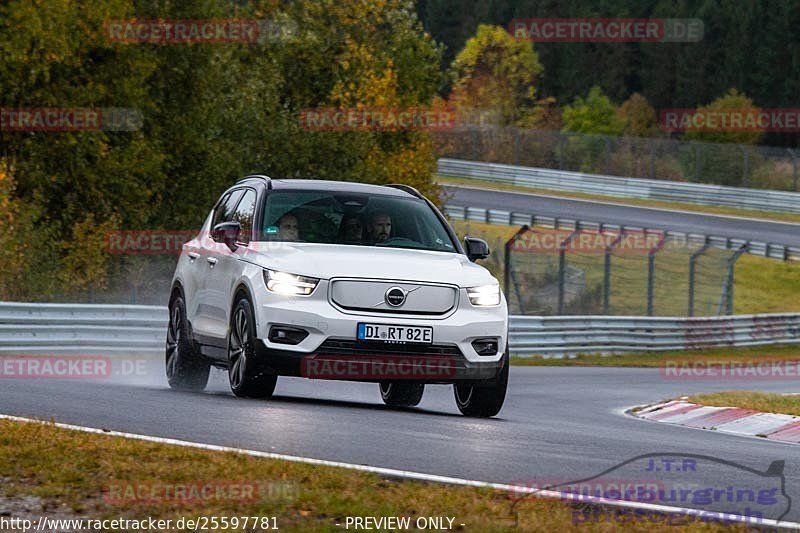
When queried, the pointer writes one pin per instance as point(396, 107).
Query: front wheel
point(246, 375)
point(401, 393)
point(483, 398)
point(186, 369)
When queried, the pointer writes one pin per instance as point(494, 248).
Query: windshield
point(353, 219)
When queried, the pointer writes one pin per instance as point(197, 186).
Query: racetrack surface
point(558, 423)
point(785, 233)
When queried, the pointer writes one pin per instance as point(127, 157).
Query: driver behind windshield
point(287, 228)
point(380, 227)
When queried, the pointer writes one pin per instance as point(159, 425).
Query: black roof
point(329, 185)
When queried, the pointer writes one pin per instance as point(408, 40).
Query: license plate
point(392, 333)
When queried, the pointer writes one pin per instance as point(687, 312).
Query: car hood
point(331, 261)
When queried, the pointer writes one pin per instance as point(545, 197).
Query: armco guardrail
point(27, 328)
point(560, 335)
point(81, 328)
point(511, 218)
point(674, 191)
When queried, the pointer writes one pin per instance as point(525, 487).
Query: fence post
point(692, 261)
point(475, 141)
point(607, 153)
point(513, 282)
point(515, 133)
point(607, 270)
point(562, 267)
point(508, 271)
point(794, 168)
point(651, 270)
point(729, 279)
point(561, 142)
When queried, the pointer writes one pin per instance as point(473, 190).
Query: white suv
point(337, 280)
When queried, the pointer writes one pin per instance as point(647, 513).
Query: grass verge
point(766, 285)
point(682, 206)
point(757, 401)
point(657, 359)
point(68, 473)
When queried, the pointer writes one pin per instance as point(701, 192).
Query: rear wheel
point(483, 398)
point(246, 374)
point(186, 369)
point(401, 393)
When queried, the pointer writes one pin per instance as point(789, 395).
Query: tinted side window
point(224, 210)
point(219, 210)
point(244, 215)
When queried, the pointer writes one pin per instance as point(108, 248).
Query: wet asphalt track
point(557, 424)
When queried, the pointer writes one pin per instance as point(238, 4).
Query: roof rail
point(262, 177)
point(407, 188)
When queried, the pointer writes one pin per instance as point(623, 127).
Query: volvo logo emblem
point(395, 297)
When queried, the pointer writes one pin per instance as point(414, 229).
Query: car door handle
point(211, 261)
point(193, 255)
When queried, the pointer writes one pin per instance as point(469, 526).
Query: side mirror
point(476, 248)
point(228, 233)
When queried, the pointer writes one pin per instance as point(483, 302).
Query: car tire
point(247, 375)
point(483, 398)
point(401, 393)
point(185, 368)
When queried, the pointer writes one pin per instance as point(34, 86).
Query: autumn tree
point(496, 72)
point(731, 103)
point(639, 117)
point(594, 114)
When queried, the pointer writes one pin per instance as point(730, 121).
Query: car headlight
point(289, 284)
point(485, 295)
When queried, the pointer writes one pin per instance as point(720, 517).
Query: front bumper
point(332, 340)
point(332, 361)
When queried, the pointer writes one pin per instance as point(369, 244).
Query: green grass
point(757, 401)
point(683, 206)
point(69, 472)
point(657, 359)
point(766, 285)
